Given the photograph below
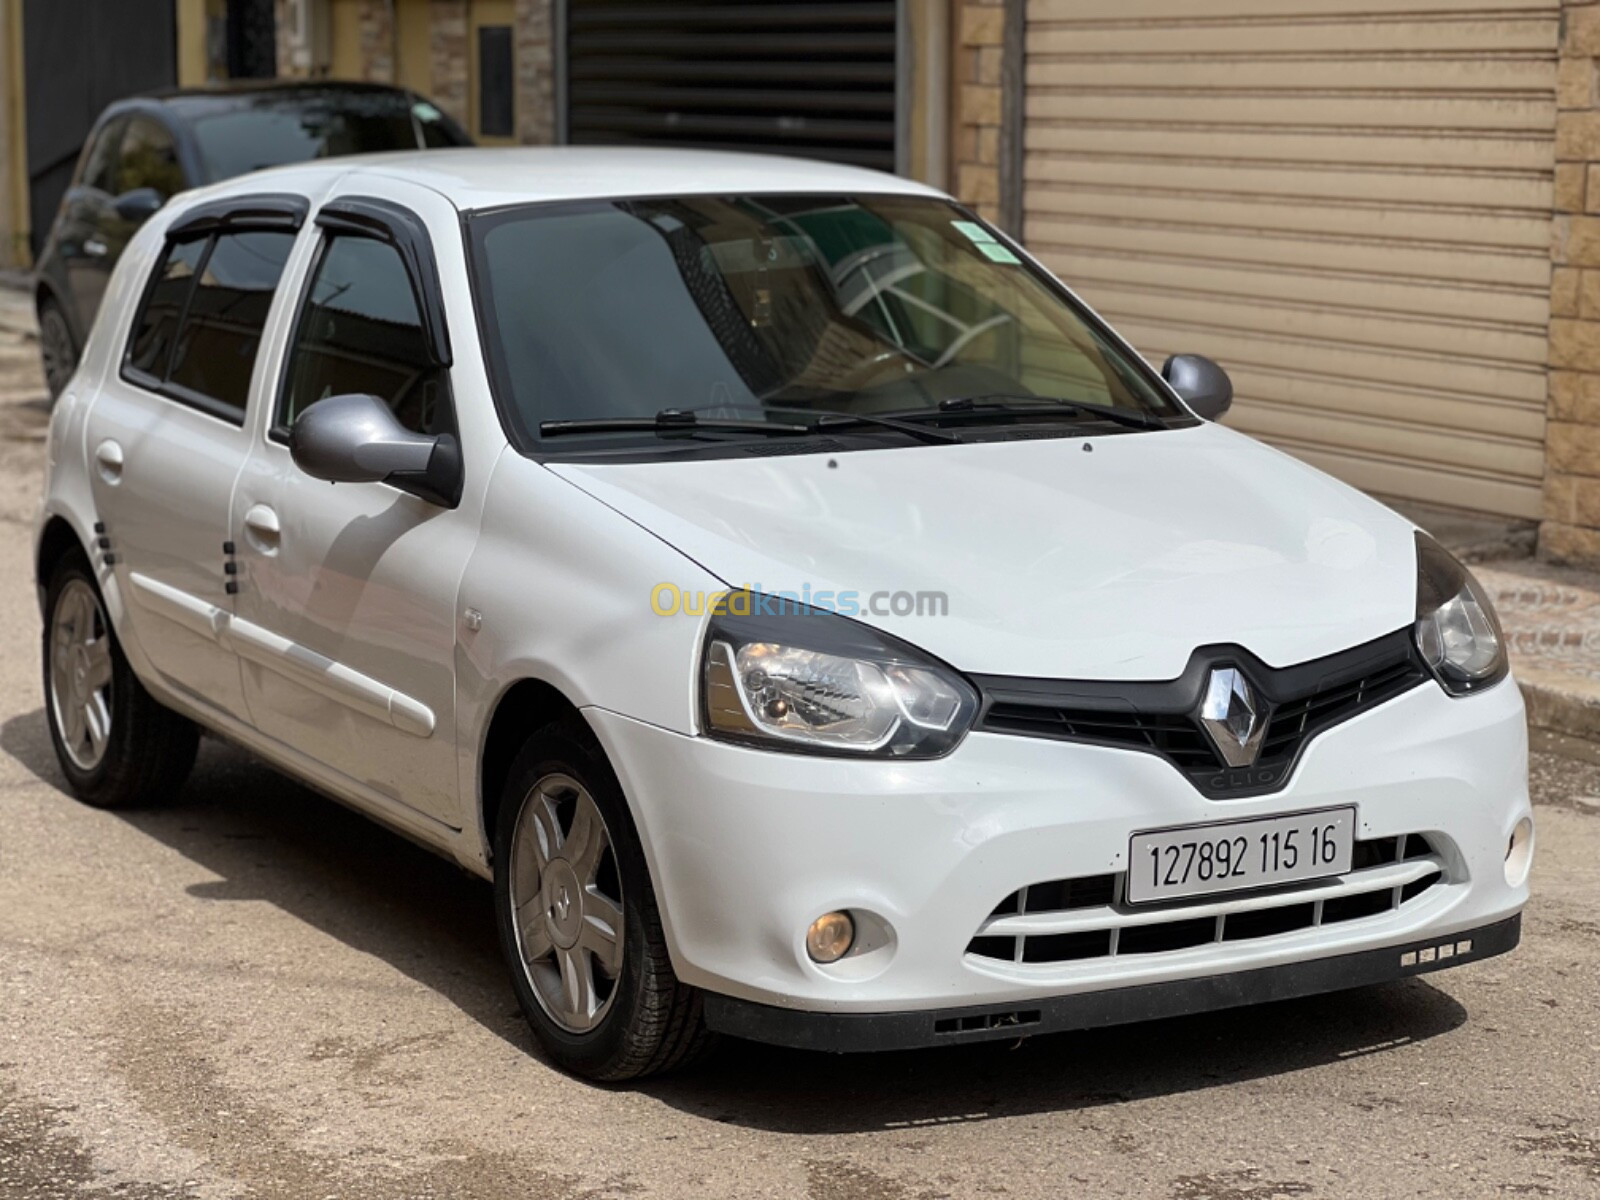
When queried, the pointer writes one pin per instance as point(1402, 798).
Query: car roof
point(259, 87)
point(475, 178)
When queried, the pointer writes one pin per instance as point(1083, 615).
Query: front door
point(347, 608)
point(166, 442)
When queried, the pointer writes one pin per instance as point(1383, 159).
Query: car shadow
point(267, 838)
point(790, 1091)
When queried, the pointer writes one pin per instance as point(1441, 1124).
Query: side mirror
point(356, 439)
point(1204, 386)
point(138, 205)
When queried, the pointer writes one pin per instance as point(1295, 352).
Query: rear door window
point(199, 329)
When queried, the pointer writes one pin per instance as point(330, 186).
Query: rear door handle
point(108, 454)
point(261, 523)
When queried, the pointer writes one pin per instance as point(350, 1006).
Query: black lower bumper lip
point(855, 1032)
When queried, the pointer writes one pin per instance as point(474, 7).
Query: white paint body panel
point(347, 661)
point(767, 845)
point(1112, 564)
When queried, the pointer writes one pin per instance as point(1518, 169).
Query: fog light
point(1519, 853)
point(830, 937)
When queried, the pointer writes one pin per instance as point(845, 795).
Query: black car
point(144, 149)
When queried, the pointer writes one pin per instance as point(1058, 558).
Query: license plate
point(1198, 860)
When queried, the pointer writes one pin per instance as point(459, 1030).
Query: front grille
point(1159, 718)
point(1071, 920)
point(1174, 736)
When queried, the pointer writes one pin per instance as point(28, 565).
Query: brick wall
point(536, 93)
point(448, 21)
point(289, 66)
point(377, 40)
point(1571, 528)
point(978, 104)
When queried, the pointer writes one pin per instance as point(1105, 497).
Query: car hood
point(1104, 558)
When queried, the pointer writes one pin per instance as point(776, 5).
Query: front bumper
point(854, 1032)
point(747, 847)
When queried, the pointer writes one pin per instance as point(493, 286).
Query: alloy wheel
point(56, 351)
point(566, 903)
point(80, 674)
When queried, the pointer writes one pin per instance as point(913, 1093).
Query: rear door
point(167, 436)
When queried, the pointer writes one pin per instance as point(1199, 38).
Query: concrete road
point(256, 993)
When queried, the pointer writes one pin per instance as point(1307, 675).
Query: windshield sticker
point(995, 252)
point(425, 111)
point(973, 232)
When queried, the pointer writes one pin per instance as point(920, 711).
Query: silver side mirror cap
point(1202, 385)
point(356, 439)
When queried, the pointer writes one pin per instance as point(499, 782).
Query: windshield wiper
point(671, 422)
point(828, 418)
point(1023, 405)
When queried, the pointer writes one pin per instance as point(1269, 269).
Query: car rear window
point(198, 331)
point(247, 133)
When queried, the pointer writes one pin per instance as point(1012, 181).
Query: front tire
point(578, 920)
point(117, 746)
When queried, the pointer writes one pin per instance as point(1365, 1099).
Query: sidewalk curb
point(1560, 709)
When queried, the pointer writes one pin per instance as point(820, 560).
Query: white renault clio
point(819, 625)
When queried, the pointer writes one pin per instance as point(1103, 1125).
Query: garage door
point(813, 79)
point(1346, 202)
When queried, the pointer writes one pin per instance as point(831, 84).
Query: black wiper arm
point(669, 422)
point(828, 418)
point(1021, 404)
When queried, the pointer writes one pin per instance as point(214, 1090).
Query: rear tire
point(568, 869)
point(58, 352)
point(117, 746)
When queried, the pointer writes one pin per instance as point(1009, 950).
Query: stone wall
point(448, 21)
point(536, 91)
point(377, 40)
point(292, 62)
point(979, 60)
point(1571, 528)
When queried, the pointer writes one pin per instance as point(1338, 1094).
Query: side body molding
point(252, 642)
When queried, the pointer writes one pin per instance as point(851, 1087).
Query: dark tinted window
point(215, 293)
point(163, 307)
point(217, 345)
point(100, 167)
point(438, 131)
point(245, 133)
point(361, 331)
point(148, 159)
point(496, 85)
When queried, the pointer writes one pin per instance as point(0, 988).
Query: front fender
point(559, 587)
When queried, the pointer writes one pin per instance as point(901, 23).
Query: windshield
point(236, 134)
point(735, 304)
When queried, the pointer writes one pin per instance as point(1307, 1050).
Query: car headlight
point(823, 683)
point(1457, 632)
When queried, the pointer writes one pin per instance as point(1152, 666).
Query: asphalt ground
point(255, 993)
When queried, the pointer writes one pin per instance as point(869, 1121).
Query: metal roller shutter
point(1346, 202)
point(816, 79)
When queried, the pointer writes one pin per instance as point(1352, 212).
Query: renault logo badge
point(1232, 717)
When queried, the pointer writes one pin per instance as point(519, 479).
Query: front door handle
point(261, 523)
point(108, 455)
